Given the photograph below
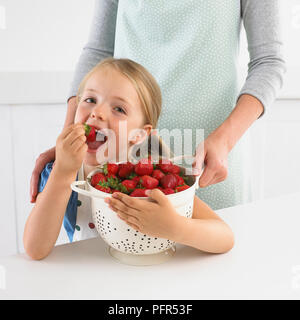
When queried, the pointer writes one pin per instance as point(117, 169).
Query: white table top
point(264, 264)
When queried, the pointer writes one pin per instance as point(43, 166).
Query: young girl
point(115, 90)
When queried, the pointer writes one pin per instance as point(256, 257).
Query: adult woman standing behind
point(191, 48)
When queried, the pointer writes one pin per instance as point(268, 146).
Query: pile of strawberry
point(135, 179)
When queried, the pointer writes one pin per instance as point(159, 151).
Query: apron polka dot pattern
point(191, 48)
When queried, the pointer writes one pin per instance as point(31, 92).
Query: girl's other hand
point(156, 219)
point(70, 149)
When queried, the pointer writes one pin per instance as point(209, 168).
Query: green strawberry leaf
point(87, 129)
point(105, 169)
point(132, 175)
point(122, 188)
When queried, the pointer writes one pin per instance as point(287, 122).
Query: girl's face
point(108, 99)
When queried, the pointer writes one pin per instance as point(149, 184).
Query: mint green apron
point(191, 48)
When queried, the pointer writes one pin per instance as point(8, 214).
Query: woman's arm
point(206, 231)
point(265, 78)
point(100, 43)
point(266, 67)
point(45, 220)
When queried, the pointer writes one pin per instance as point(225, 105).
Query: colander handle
point(189, 157)
point(74, 187)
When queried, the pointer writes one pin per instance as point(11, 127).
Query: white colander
point(122, 238)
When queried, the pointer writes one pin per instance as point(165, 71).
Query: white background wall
point(40, 41)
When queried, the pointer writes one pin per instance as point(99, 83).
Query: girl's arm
point(206, 231)
point(44, 222)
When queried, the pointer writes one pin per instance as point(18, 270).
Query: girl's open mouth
point(95, 145)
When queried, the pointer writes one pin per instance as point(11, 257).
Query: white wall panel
point(8, 242)
point(35, 129)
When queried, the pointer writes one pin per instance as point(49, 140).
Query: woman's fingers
point(207, 176)
point(214, 172)
point(219, 177)
point(40, 163)
point(199, 159)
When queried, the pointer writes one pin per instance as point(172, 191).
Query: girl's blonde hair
point(148, 91)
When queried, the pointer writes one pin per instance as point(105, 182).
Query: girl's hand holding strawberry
point(70, 149)
point(156, 219)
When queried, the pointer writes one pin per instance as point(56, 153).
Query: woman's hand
point(156, 219)
point(70, 149)
point(40, 163)
point(213, 152)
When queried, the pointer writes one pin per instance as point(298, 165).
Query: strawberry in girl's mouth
point(94, 137)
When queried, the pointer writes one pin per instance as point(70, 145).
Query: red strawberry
point(90, 133)
point(180, 180)
point(157, 174)
point(181, 188)
point(168, 191)
point(168, 181)
point(97, 177)
point(149, 182)
point(110, 168)
point(175, 169)
point(125, 169)
point(144, 167)
point(138, 193)
point(114, 190)
point(136, 178)
point(165, 166)
point(102, 188)
point(127, 186)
